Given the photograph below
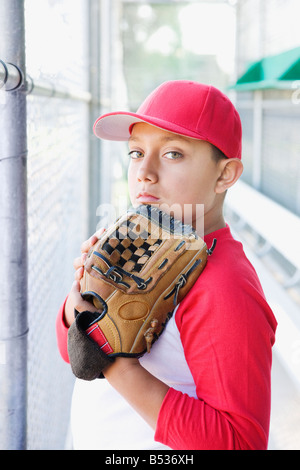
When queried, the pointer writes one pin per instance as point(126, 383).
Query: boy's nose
point(148, 170)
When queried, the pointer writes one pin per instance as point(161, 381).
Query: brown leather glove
point(135, 275)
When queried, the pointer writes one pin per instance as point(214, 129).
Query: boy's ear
point(231, 169)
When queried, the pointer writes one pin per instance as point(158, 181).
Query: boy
point(206, 382)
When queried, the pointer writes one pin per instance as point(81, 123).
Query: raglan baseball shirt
point(215, 354)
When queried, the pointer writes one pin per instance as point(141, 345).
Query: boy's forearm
point(144, 392)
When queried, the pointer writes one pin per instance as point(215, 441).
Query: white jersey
point(102, 419)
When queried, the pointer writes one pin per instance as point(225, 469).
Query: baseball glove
point(135, 275)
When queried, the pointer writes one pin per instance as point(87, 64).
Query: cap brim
point(117, 126)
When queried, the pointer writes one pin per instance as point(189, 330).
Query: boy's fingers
point(79, 261)
point(78, 273)
point(80, 303)
point(75, 293)
point(88, 243)
point(75, 289)
point(75, 301)
point(100, 232)
point(92, 240)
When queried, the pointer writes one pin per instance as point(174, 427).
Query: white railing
point(280, 230)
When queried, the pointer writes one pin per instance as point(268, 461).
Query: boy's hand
point(85, 247)
point(75, 299)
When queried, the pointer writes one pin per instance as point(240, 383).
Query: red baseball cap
point(184, 107)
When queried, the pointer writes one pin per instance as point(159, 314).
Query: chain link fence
point(57, 162)
point(58, 148)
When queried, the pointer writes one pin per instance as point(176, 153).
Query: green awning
point(277, 71)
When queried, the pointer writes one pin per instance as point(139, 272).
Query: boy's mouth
point(143, 198)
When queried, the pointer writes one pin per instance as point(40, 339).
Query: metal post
point(13, 235)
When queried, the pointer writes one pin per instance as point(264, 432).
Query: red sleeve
point(199, 427)
point(62, 333)
point(227, 332)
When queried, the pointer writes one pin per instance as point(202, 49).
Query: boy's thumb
point(80, 303)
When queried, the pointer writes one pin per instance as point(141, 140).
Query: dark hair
point(217, 154)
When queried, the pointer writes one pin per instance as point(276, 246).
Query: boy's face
point(176, 173)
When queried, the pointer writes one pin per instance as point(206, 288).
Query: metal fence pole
point(13, 236)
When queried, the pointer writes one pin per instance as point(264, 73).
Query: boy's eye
point(134, 154)
point(173, 155)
